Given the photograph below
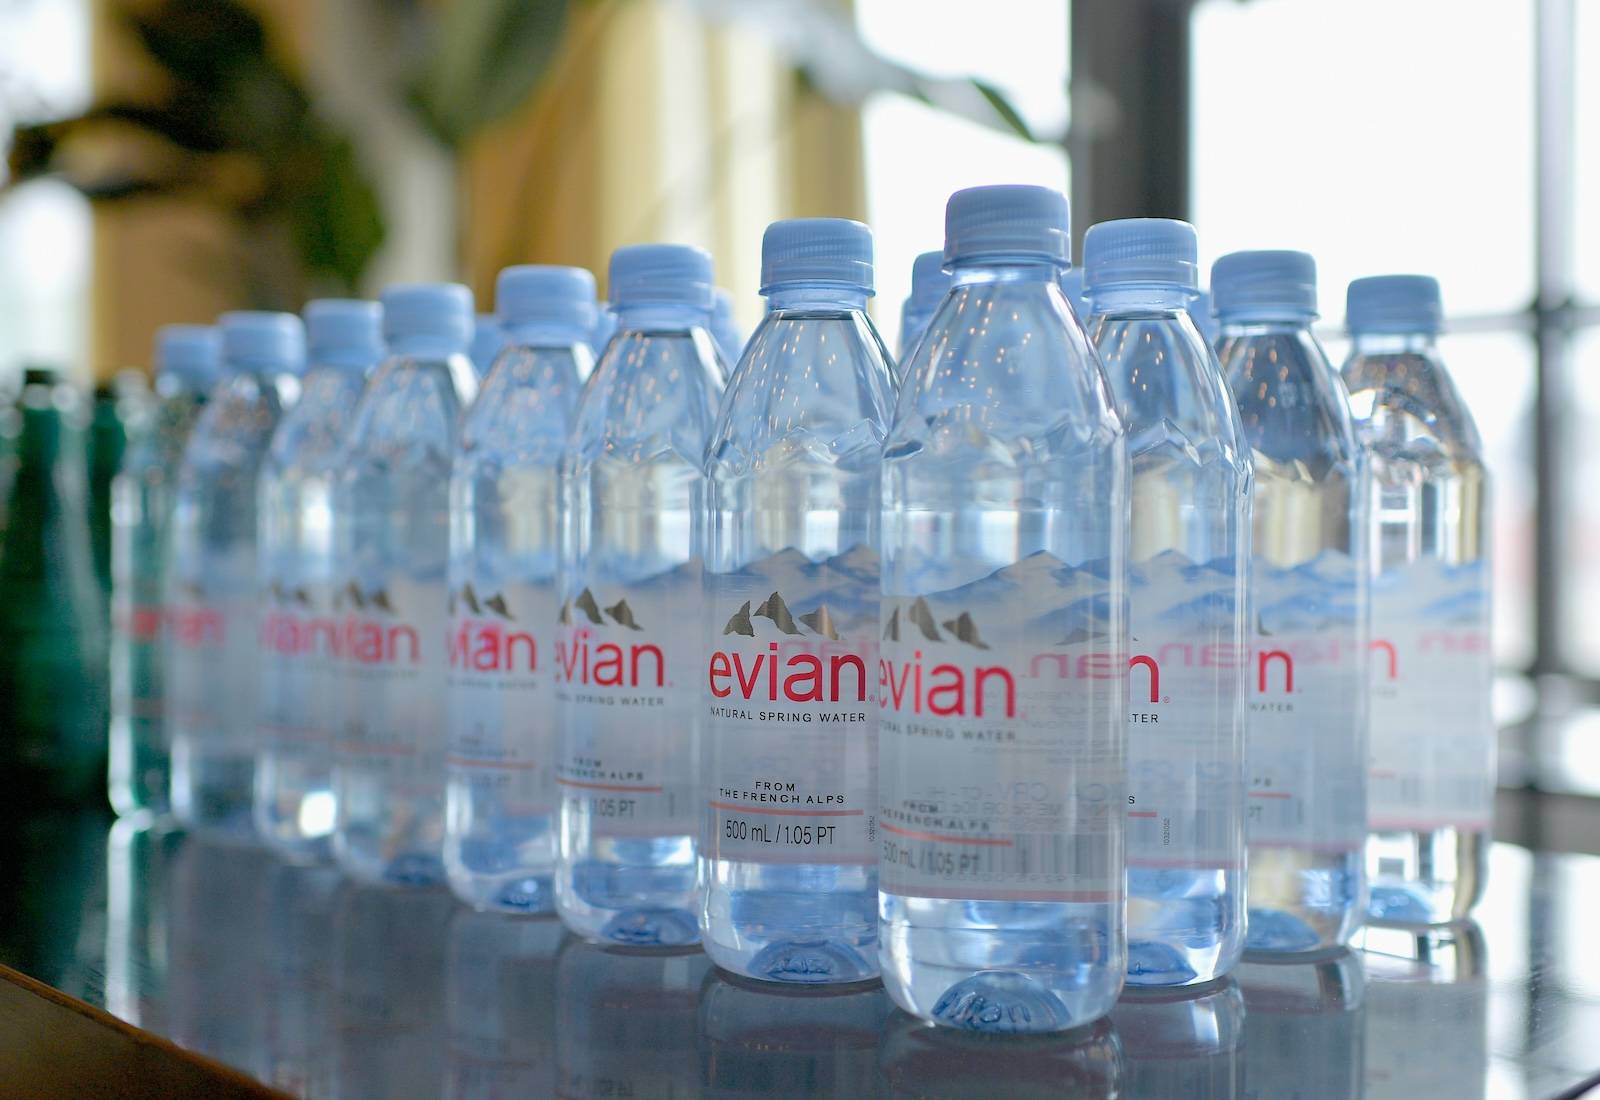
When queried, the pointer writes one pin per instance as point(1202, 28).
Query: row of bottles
point(1041, 669)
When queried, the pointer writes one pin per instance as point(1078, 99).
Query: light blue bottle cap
point(930, 282)
point(343, 330)
point(546, 296)
point(661, 274)
point(819, 252)
point(436, 312)
point(260, 341)
point(190, 352)
point(1015, 222)
point(1394, 304)
point(1140, 253)
point(1273, 285)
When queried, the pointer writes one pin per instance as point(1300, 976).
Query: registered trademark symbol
point(1166, 698)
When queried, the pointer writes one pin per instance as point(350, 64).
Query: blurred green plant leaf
point(490, 56)
point(1002, 107)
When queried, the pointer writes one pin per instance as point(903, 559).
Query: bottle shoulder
point(524, 408)
point(411, 407)
point(652, 395)
point(1292, 404)
point(1408, 405)
point(314, 433)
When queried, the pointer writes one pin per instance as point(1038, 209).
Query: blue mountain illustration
point(1309, 611)
point(1462, 607)
point(1210, 611)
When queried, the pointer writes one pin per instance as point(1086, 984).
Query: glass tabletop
point(324, 988)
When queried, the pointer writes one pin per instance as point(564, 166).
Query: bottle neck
point(544, 334)
point(660, 317)
point(815, 299)
point(1393, 343)
point(424, 347)
point(1250, 326)
point(1142, 299)
point(978, 270)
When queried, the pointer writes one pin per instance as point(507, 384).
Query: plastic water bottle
point(488, 337)
point(1183, 1042)
point(725, 328)
point(787, 762)
point(1306, 795)
point(1003, 644)
point(1072, 287)
point(1305, 1026)
point(186, 367)
point(300, 636)
point(1432, 776)
point(930, 282)
point(1204, 318)
point(1188, 567)
point(212, 670)
point(628, 664)
point(391, 517)
point(500, 825)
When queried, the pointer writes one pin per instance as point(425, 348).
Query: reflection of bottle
point(1427, 1012)
point(502, 1006)
point(391, 519)
point(52, 609)
point(1303, 1028)
point(1305, 759)
point(389, 975)
point(930, 282)
point(626, 1025)
point(627, 651)
point(300, 648)
point(501, 798)
point(787, 757)
point(918, 1062)
point(297, 966)
point(215, 930)
point(759, 1041)
point(1188, 563)
point(142, 496)
point(140, 856)
point(212, 668)
point(1182, 1043)
point(1433, 742)
point(1003, 651)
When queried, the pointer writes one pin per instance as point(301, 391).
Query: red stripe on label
point(986, 842)
point(1143, 813)
point(472, 762)
point(1270, 794)
point(605, 786)
point(784, 813)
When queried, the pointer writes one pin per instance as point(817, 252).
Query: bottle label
point(1000, 738)
point(502, 719)
point(625, 666)
point(302, 643)
point(790, 689)
point(1432, 673)
point(393, 713)
point(1306, 683)
point(1185, 714)
point(212, 677)
point(138, 626)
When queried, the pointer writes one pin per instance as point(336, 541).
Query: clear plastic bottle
point(1188, 567)
point(628, 652)
point(605, 327)
point(1183, 1042)
point(186, 367)
point(930, 282)
point(392, 534)
point(1305, 758)
point(213, 662)
point(787, 759)
point(725, 328)
point(1003, 654)
point(500, 823)
point(1305, 1026)
point(301, 637)
point(1432, 775)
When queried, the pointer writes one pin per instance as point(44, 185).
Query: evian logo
point(788, 670)
point(583, 657)
point(195, 623)
point(947, 689)
point(290, 626)
point(483, 641)
point(370, 637)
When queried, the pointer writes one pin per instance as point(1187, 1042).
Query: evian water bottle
point(500, 826)
point(1305, 755)
point(300, 637)
point(1003, 659)
point(1188, 563)
point(391, 517)
point(141, 512)
point(787, 760)
point(1431, 781)
point(628, 664)
point(211, 582)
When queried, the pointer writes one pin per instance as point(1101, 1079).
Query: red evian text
point(375, 643)
point(295, 636)
point(142, 622)
point(946, 690)
point(477, 645)
point(800, 677)
point(198, 626)
point(579, 660)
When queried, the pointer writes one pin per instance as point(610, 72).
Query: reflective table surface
point(322, 988)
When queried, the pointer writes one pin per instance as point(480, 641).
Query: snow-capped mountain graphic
point(1306, 612)
point(1083, 620)
point(920, 615)
point(963, 629)
point(470, 598)
point(352, 595)
point(777, 612)
point(1209, 611)
point(847, 583)
point(740, 623)
point(775, 609)
point(622, 614)
point(585, 605)
point(497, 604)
point(821, 621)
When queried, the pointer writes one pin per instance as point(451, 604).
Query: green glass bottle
point(52, 615)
